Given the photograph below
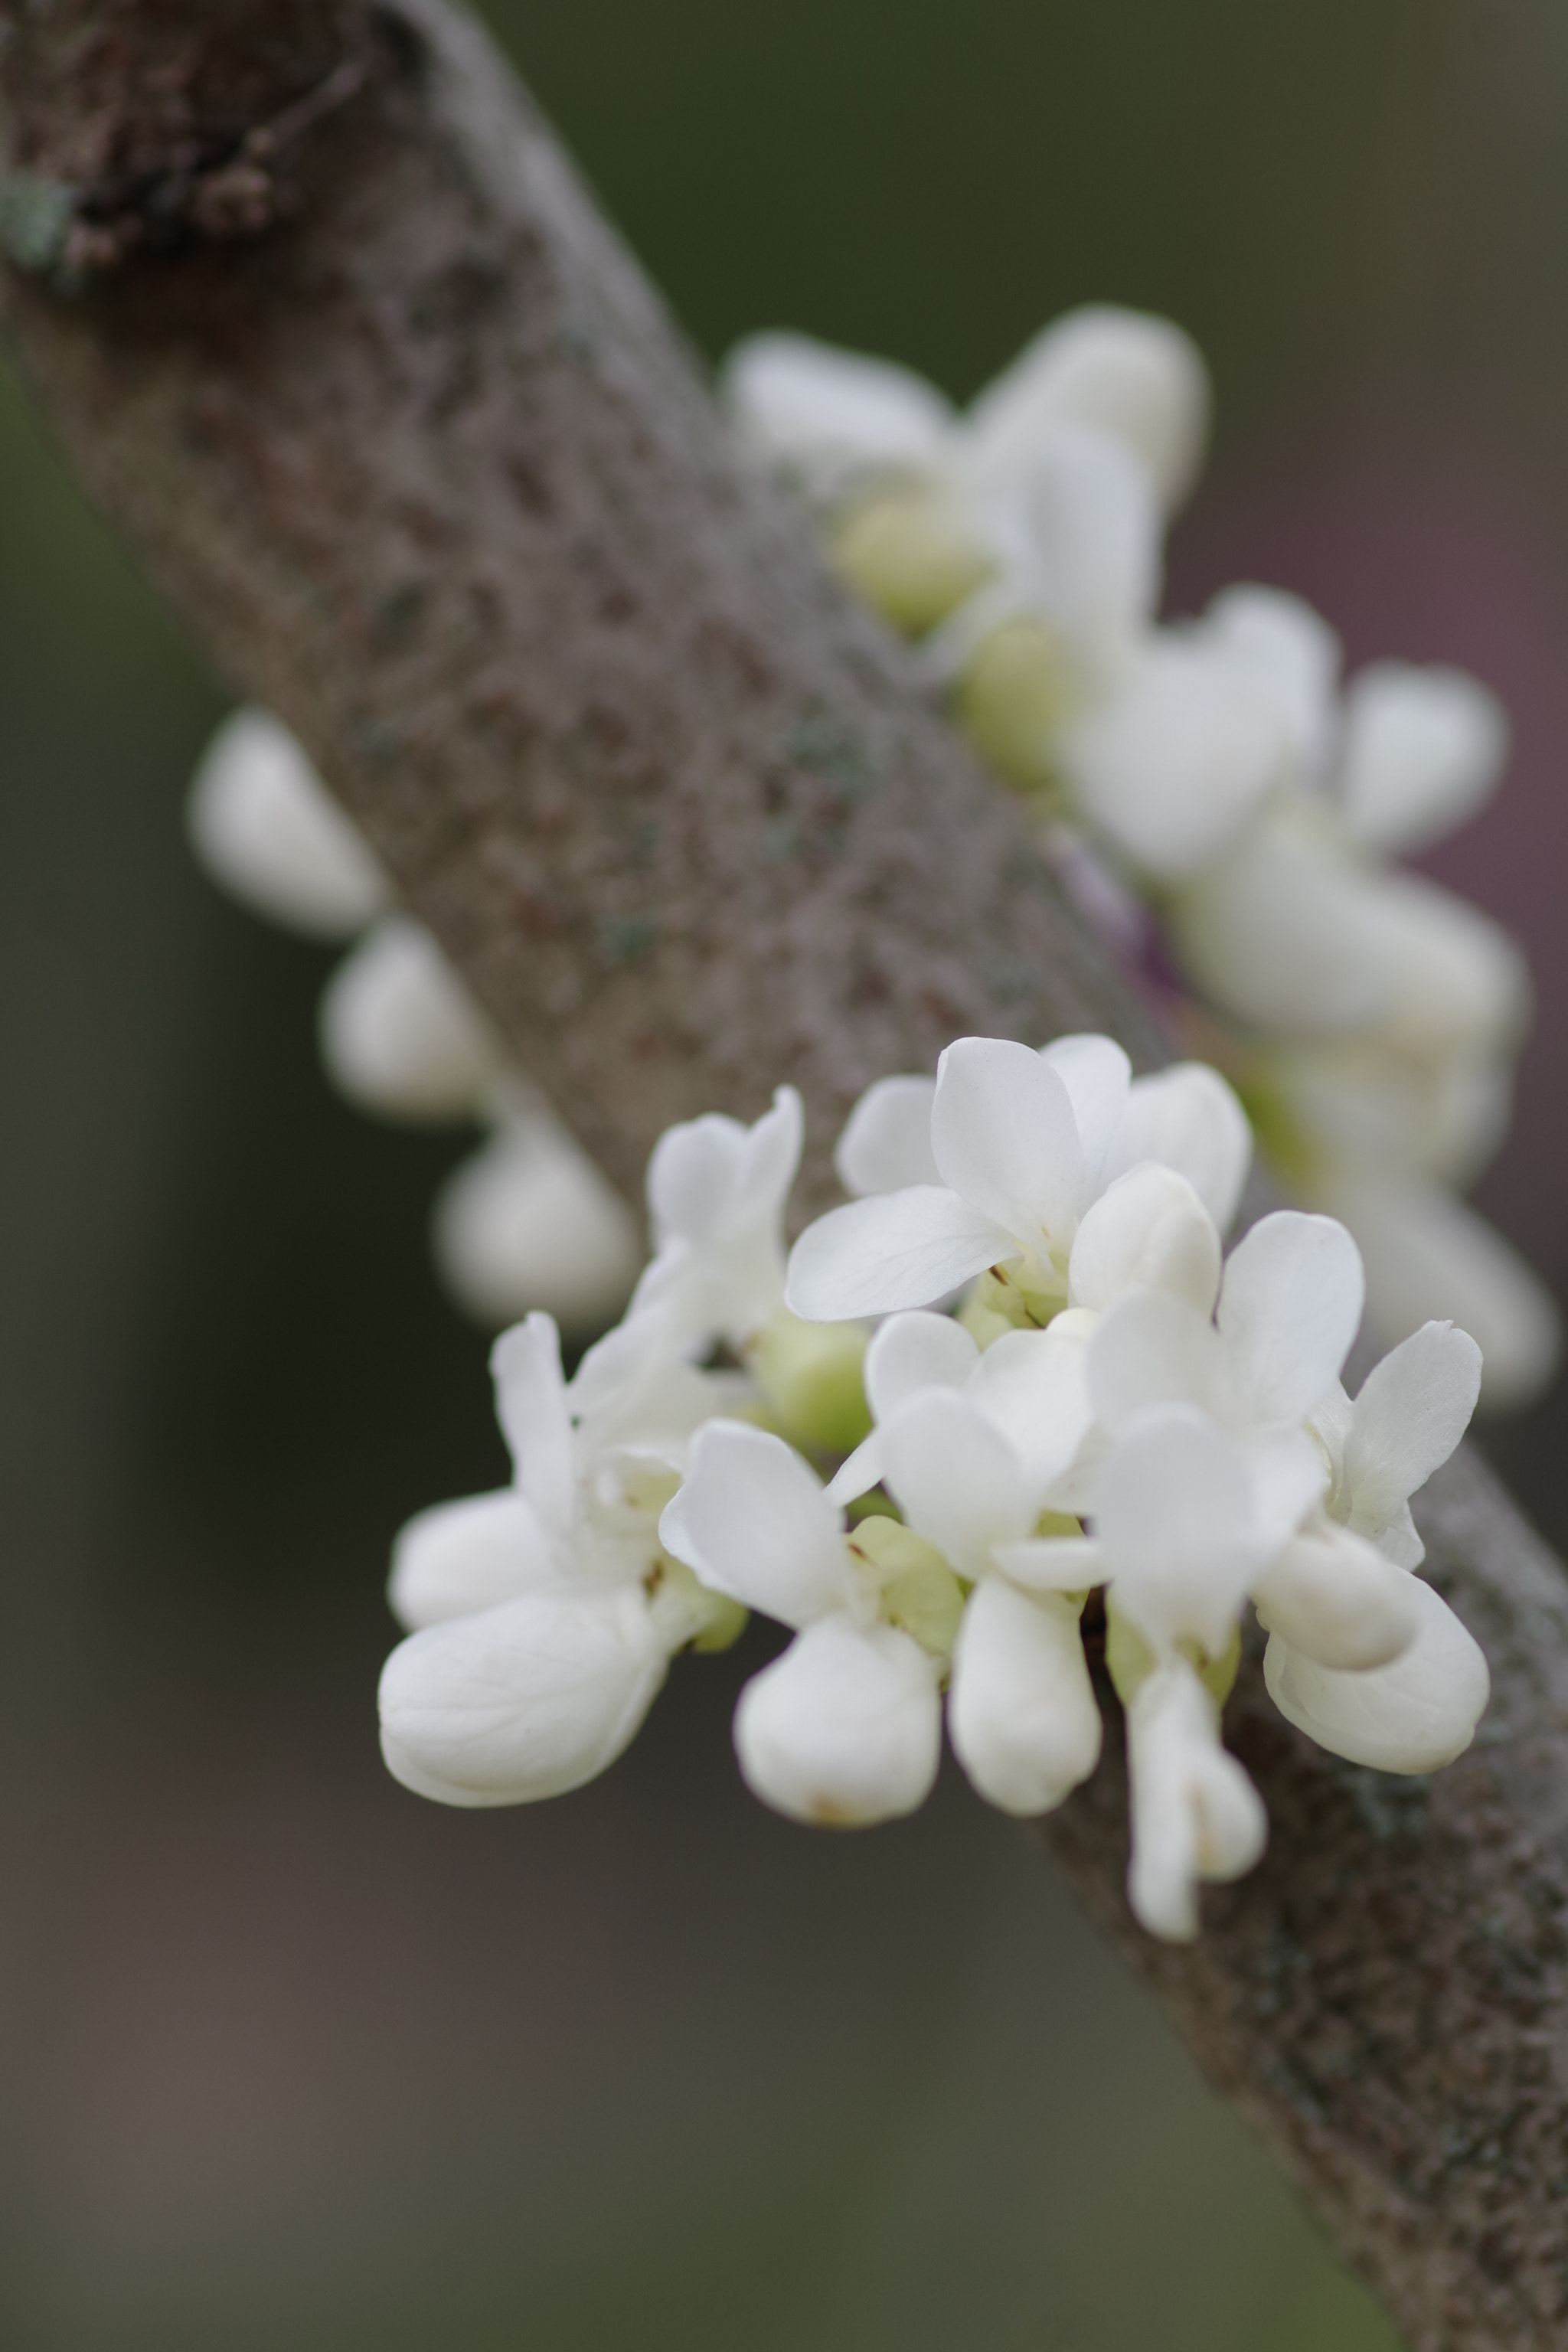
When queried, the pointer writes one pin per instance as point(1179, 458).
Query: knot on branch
point(135, 137)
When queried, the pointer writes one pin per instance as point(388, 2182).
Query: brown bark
point(322, 320)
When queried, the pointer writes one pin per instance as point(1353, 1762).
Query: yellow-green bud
point(810, 1375)
point(919, 1590)
point(910, 552)
point(1011, 702)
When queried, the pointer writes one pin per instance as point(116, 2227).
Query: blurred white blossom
point(529, 1220)
point(1221, 767)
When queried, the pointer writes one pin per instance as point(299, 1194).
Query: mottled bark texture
point(323, 322)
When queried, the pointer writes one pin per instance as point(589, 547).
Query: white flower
point(1289, 933)
point(1135, 377)
point(1022, 1143)
point(264, 825)
point(830, 420)
point(844, 1729)
point(543, 1624)
point(970, 1470)
point(1030, 1384)
point(400, 1033)
point(1320, 1600)
point(834, 421)
point(528, 1221)
point(1412, 1410)
point(1168, 765)
point(1195, 1814)
point(1288, 1307)
point(1413, 1716)
point(716, 1193)
point(1185, 1517)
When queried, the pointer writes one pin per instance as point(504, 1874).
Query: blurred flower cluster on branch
point(1012, 1401)
point(1218, 797)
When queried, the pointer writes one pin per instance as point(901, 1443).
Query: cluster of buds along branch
point(1015, 1371)
point(528, 1220)
point(1211, 787)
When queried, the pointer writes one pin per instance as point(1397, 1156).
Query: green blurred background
point(287, 2058)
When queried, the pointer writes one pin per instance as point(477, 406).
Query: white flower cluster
point(1215, 771)
point(528, 1220)
point(1014, 1373)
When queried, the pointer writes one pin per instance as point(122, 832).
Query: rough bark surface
point(323, 322)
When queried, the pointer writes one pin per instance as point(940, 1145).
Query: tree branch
point(322, 320)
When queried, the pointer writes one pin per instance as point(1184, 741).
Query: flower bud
point(400, 1034)
point(844, 1729)
point(1013, 699)
point(1148, 1231)
point(265, 828)
point(528, 1221)
point(1022, 1714)
point(810, 1374)
point(911, 552)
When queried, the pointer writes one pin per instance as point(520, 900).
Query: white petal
point(1033, 1386)
point(1284, 932)
point(829, 417)
point(1022, 1714)
point(1289, 1308)
point(399, 1033)
point(264, 825)
point(529, 1220)
point(1133, 375)
point(1424, 751)
point(1153, 1348)
point(898, 1251)
point(1195, 1814)
point(1148, 1231)
point(916, 1352)
point(693, 1176)
point(956, 1479)
point(1006, 1138)
point(1412, 1412)
point(457, 1559)
point(531, 1407)
point(1335, 1599)
point(1414, 1715)
point(1456, 984)
point(1176, 1522)
point(1189, 1120)
point(1074, 518)
point(1098, 1076)
point(844, 1729)
point(1288, 1477)
point(770, 1158)
point(1429, 1255)
point(886, 1143)
point(752, 1521)
point(1170, 764)
point(523, 1702)
point(1296, 658)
